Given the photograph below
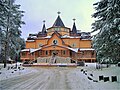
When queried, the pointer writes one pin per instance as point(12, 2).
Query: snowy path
point(58, 78)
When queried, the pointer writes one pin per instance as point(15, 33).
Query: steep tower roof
point(44, 28)
point(58, 22)
point(74, 29)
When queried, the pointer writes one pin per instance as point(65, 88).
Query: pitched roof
point(74, 29)
point(58, 22)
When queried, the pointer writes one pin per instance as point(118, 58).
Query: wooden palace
point(59, 44)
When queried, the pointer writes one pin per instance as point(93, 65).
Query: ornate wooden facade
point(60, 41)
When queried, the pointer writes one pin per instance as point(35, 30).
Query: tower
point(43, 33)
point(74, 29)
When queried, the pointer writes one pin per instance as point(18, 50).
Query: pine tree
point(107, 41)
point(10, 24)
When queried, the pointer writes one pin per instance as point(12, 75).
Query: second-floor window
point(74, 45)
point(40, 45)
point(40, 53)
point(46, 52)
point(64, 52)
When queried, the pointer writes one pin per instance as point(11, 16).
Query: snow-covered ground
point(59, 78)
point(10, 71)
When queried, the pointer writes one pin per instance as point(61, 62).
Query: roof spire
point(74, 29)
point(43, 21)
point(58, 12)
point(74, 19)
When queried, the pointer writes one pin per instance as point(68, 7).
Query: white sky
point(38, 10)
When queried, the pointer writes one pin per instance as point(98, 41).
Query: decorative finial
point(74, 19)
point(58, 12)
point(44, 21)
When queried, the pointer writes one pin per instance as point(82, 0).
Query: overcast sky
point(38, 10)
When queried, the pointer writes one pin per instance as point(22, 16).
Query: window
point(40, 45)
point(55, 42)
point(64, 52)
point(23, 53)
point(59, 29)
point(46, 52)
point(40, 53)
point(74, 45)
point(32, 54)
point(83, 52)
point(55, 29)
point(66, 30)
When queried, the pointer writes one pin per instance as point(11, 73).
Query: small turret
point(44, 28)
point(74, 29)
point(43, 33)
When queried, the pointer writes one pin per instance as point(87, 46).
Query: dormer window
point(74, 45)
point(40, 45)
point(55, 29)
point(55, 42)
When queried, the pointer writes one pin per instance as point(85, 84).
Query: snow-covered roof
point(33, 50)
point(73, 49)
point(47, 37)
point(33, 36)
point(24, 50)
point(66, 36)
point(86, 39)
point(83, 49)
point(30, 40)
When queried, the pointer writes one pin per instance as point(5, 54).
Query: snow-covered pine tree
point(107, 41)
point(10, 24)
point(1, 46)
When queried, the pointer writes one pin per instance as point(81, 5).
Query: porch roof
point(25, 50)
point(73, 49)
point(86, 49)
point(33, 50)
point(30, 49)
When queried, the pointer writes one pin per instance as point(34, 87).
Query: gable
point(55, 39)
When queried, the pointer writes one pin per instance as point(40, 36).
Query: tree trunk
point(5, 59)
point(7, 39)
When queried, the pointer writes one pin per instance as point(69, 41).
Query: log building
point(59, 44)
